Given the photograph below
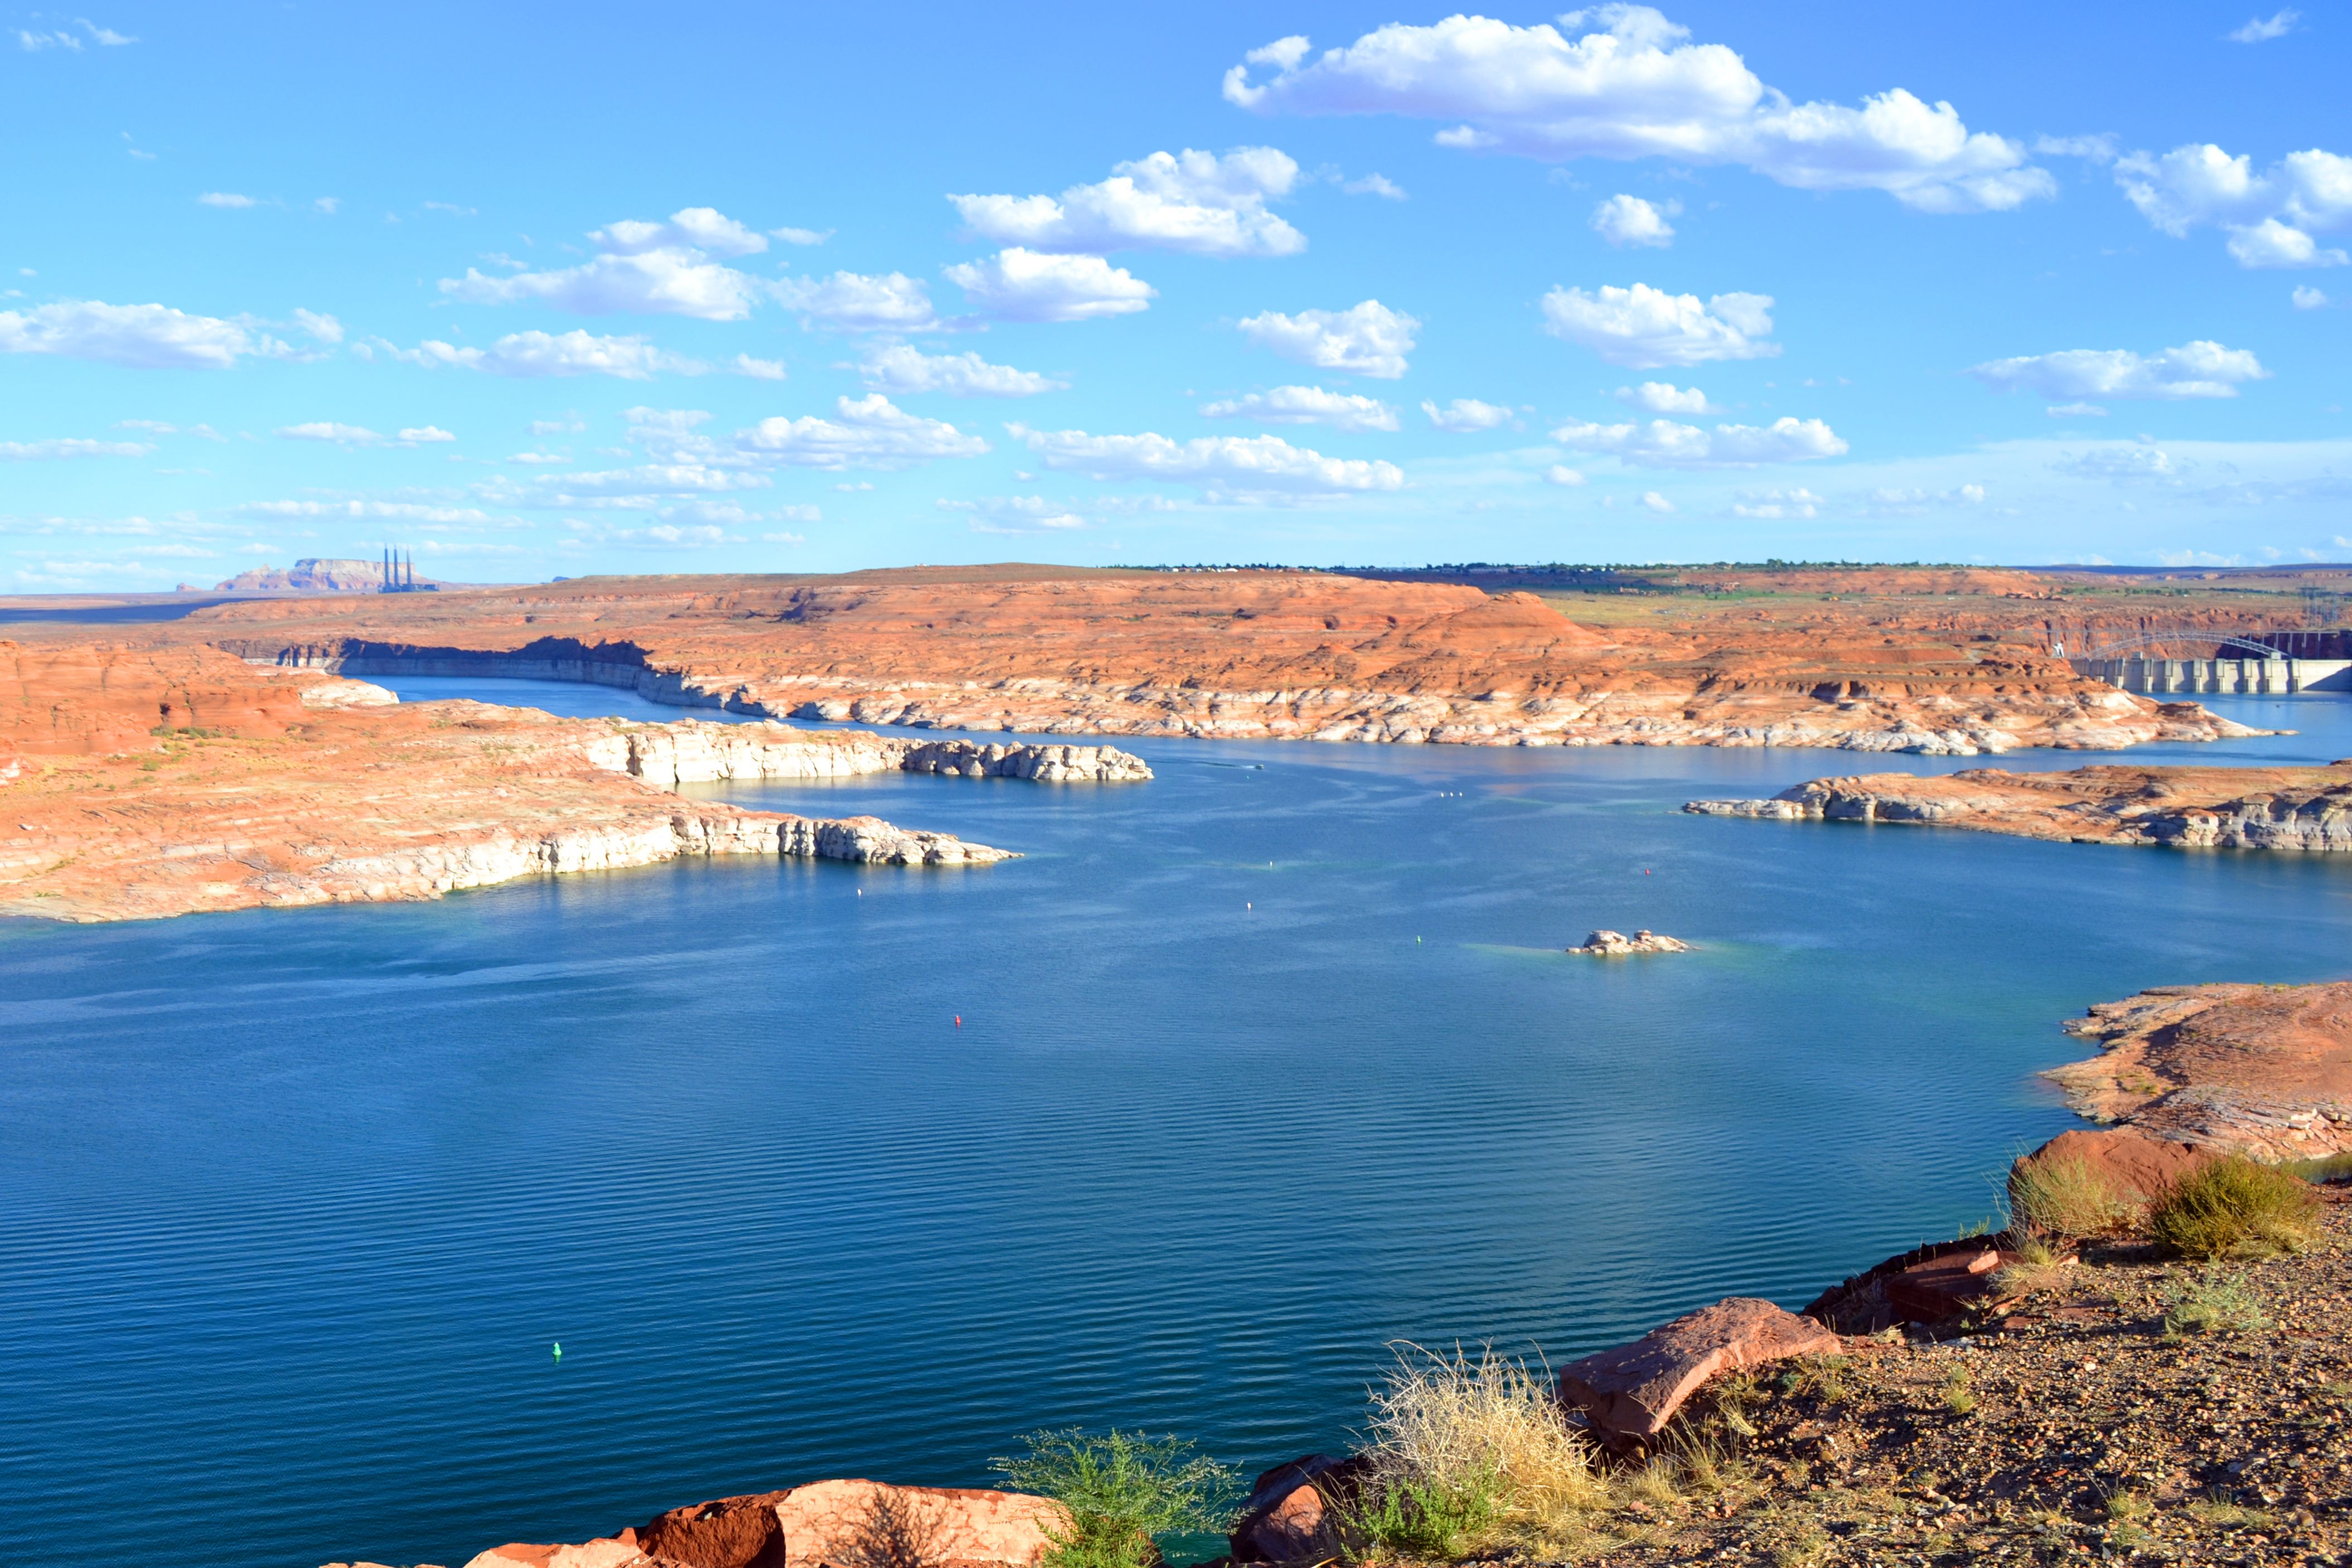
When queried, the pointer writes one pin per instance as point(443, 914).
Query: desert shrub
point(2064, 1198)
point(1122, 1490)
point(1465, 1452)
point(2234, 1207)
point(2212, 1303)
point(2326, 1168)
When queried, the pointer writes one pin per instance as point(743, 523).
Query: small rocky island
point(1617, 944)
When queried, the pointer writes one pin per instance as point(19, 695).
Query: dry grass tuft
point(2065, 1198)
point(1469, 1455)
point(2233, 1208)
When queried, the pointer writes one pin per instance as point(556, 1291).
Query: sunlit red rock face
point(2263, 1070)
point(1295, 655)
point(95, 697)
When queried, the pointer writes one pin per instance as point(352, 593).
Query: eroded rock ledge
point(2302, 809)
point(2263, 1071)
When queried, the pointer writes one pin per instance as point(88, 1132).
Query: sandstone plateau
point(2307, 809)
point(1236, 655)
point(137, 783)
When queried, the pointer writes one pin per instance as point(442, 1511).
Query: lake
point(820, 1170)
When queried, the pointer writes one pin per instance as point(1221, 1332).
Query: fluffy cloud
point(859, 303)
point(901, 368)
point(1653, 502)
point(1644, 327)
point(2201, 369)
point(1307, 406)
point(328, 430)
point(694, 229)
point(2122, 464)
point(1666, 397)
point(361, 436)
point(575, 352)
point(2309, 298)
point(2262, 30)
point(1016, 514)
point(1374, 185)
point(1630, 220)
point(1466, 415)
point(1022, 285)
point(867, 432)
point(2270, 218)
point(1663, 444)
point(1635, 88)
point(406, 512)
point(1561, 474)
point(666, 269)
point(147, 337)
point(1226, 467)
point(1191, 201)
point(1369, 337)
point(71, 446)
point(1777, 504)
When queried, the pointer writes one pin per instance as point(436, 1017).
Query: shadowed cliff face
point(1238, 655)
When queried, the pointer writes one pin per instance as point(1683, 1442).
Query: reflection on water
point(1260, 1065)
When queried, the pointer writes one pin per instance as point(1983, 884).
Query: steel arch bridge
point(2110, 647)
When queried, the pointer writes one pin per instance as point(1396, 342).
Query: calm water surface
point(1261, 1065)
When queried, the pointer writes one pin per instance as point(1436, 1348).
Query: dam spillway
point(2219, 676)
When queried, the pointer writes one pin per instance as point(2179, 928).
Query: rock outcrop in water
point(2294, 809)
point(1617, 944)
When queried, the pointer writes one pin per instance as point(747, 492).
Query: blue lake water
point(1261, 1065)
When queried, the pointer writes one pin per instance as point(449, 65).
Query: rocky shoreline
point(2034, 1397)
point(267, 788)
point(2307, 810)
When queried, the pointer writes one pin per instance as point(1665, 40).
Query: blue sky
point(552, 291)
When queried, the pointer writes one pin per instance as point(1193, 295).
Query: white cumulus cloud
point(903, 369)
point(1561, 474)
point(1777, 504)
point(72, 446)
point(1189, 201)
point(1653, 502)
point(2201, 369)
point(1644, 327)
point(2270, 218)
point(1633, 85)
point(1466, 415)
point(1016, 514)
point(672, 269)
point(1368, 338)
point(1018, 284)
point(1226, 467)
point(535, 353)
point(867, 432)
point(859, 303)
point(1629, 220)
point(1666, 397)
point(2307, 298)
point(1663, 443)
point(147, 337)
point(1306, 406)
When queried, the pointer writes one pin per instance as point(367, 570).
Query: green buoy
point(559, 1350)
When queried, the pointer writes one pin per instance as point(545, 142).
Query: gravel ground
point(2078, 1426)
